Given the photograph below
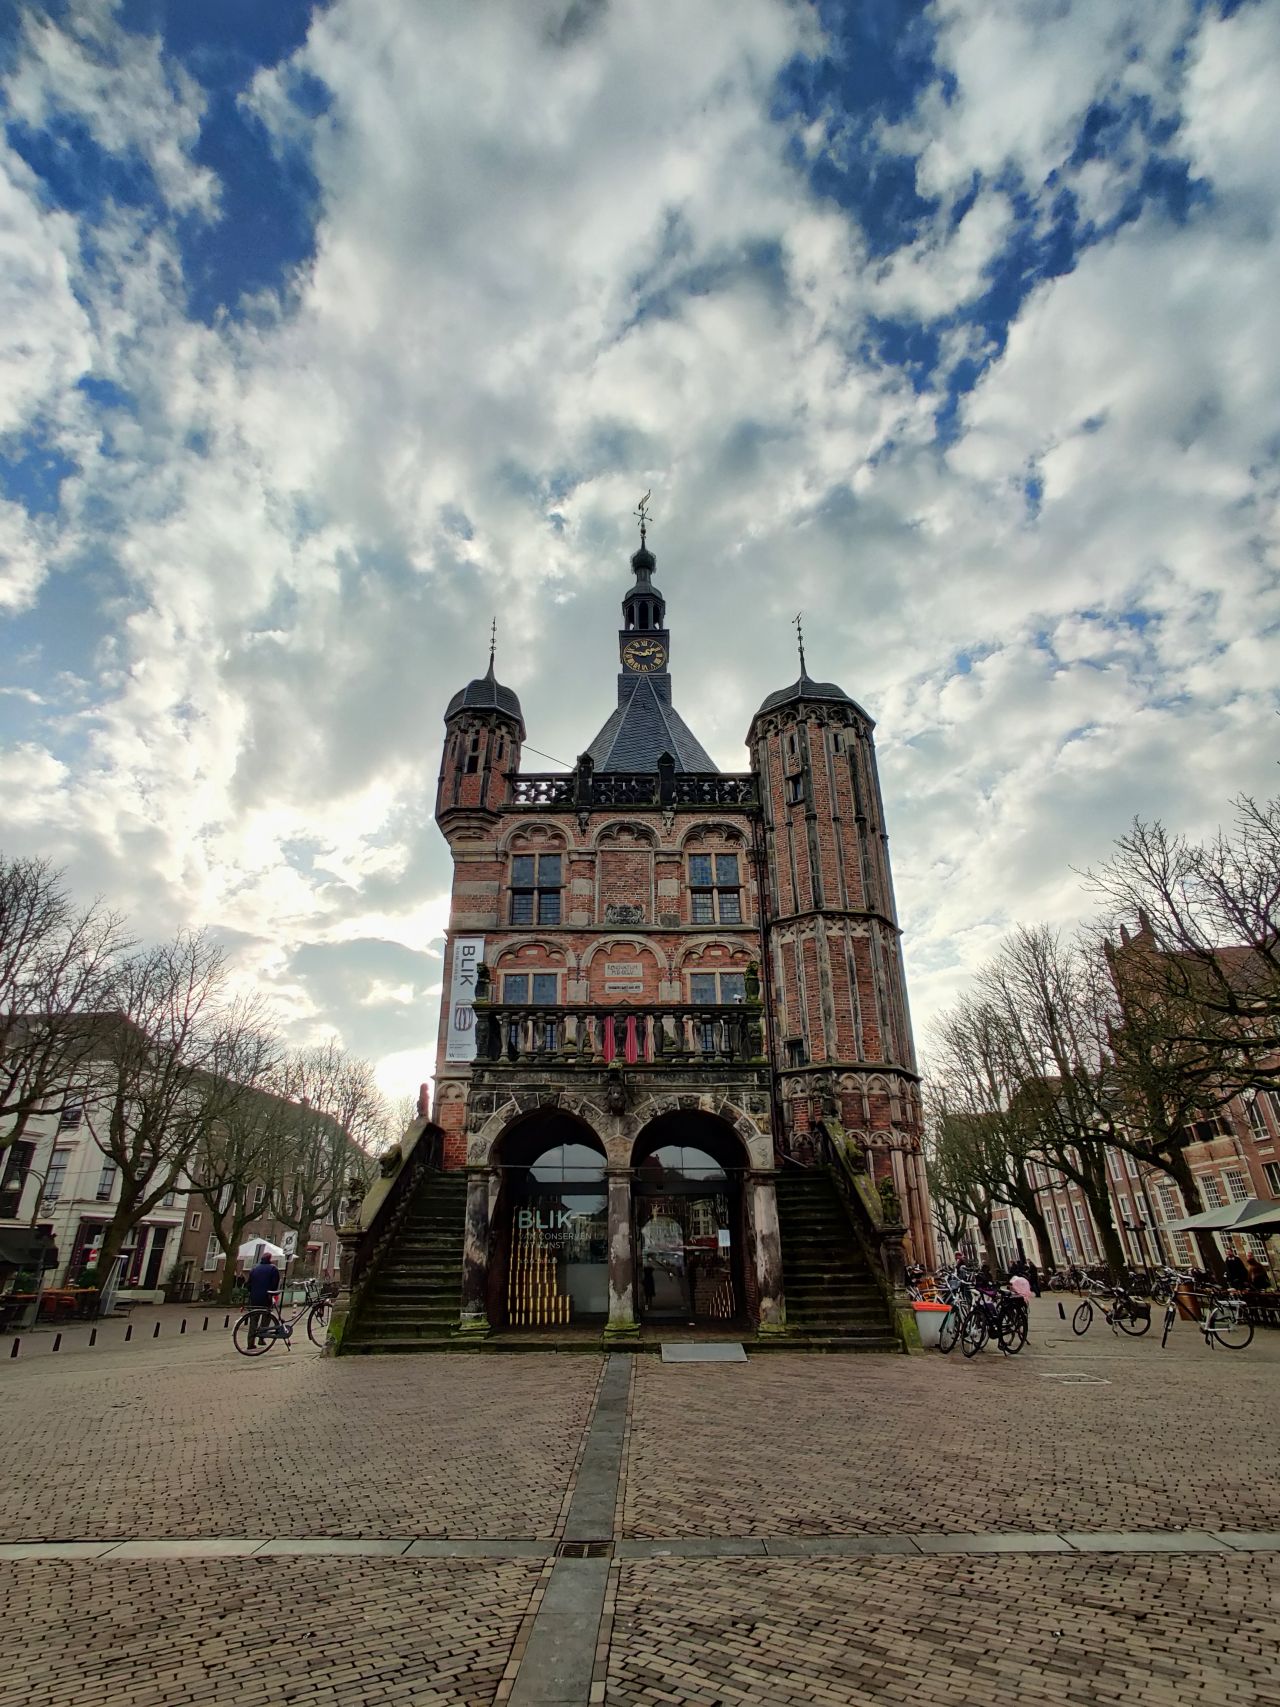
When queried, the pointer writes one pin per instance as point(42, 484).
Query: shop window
point(536, 987)
point(714, 889)
point(535, 889)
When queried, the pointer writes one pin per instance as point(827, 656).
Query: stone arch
point(483, 1146)
point(755, 1137)
point(623, 829)
point(554, 829)
point(704, 827)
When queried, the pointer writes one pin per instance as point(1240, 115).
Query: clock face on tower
point(644, 655)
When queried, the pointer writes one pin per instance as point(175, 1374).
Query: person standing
point(264, 1282)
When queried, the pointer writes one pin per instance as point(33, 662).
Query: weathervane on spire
point(800, 641)
point(642, 511)
point(493, 640)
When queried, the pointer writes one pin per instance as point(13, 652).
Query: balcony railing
point(658, 1035)
point(663, 787)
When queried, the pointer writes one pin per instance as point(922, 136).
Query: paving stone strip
point(673, 1547)
point(556, 1663)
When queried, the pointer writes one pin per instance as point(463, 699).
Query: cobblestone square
point(1095, 1520)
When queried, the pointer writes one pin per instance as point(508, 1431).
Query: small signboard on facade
point(460, 1039)
point(623, 977)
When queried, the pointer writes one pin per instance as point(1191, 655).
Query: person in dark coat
point(1235, 1273)
point(264, 1281)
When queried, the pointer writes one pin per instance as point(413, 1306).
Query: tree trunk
point(1098, 1197)
point(1193, 1202)
point(124, 1218)
point(986, 1228)
point(1029, 1205)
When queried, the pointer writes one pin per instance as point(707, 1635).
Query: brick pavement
point(259, 1634)
point(201, 1441)
point(189, 1440)
point(947, 1632)
point(830, 1446)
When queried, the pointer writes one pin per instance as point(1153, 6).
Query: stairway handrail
point(881, 1239)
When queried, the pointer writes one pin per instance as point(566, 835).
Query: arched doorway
point(552, 1224)
point(690, 1222)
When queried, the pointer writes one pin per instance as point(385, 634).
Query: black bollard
point(13, 1350)
point(183, 1328)
point(226, 1321)
point(155, 1332)
point(57, 1341)
point(93, 1336)
point(128, 1330)
point(205, 1328)
point(1062, 1314)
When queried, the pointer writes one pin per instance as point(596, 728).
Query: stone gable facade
point(678, 977)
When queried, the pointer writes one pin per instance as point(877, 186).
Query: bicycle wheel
point(1011, 1329)
point(976, 1330)
point(1082, 1318)
point(244, 1334)
point(1132, 1320)
point(1229, 1327)
point(1170, 1317)
point(318, 1321)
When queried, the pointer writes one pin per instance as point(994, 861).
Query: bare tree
point(161, 1076)
point(1210, 915)
point(56, 960)
point(234, 1154)
point(978, 1081)
point(957, 1180)
point(338, 1119)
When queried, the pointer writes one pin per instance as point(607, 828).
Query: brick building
point(666, 986)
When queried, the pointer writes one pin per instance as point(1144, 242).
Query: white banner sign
point(460, 1039)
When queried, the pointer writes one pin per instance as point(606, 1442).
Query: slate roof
point(807, 688)
point(644, 726)
point(486, 693)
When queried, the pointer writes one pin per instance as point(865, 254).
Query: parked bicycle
point(1132, 1315)
point(1224, 1323)
point(260, 1328)
point(978, 1315)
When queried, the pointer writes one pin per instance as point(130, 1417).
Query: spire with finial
point(800, 642)
point(641, 511)
point(493, 642)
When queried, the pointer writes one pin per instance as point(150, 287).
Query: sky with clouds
point(327, 332)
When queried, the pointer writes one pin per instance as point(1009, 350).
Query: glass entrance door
point(558, 1262)
point(687, 1233)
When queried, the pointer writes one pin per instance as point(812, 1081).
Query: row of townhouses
point(1235, 1156)
point(57, 1186)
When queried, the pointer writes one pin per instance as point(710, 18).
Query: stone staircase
point(833, 1302)
point(413, 1300)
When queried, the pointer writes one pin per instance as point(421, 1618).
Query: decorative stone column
point(473, 1322)
point(763, 1206)
point(895, 1274)
point(622, 1324)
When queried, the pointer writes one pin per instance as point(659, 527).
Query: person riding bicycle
point(264, 1281)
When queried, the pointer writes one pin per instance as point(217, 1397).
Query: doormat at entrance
point(710, 1353)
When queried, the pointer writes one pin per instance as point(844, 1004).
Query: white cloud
point(520, 309)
